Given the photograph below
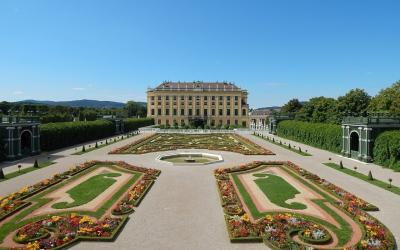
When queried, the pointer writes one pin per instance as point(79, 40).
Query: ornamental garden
point(220, 142)
point(287, 207)
point(90, 202)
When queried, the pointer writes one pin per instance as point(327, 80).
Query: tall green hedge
point(320, 135)
point(64, 134)
point(387, 149)
point(131, 124)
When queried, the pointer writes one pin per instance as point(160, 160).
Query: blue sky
point(277, 50)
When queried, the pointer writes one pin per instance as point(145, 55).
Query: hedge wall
point(64, 134)
point(387, 149)
point(131, 124)
point(320, 135)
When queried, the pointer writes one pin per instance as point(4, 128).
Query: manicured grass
point(88, 190)
point(18, 221)
point(27, 170)
point(378, 183)
point(100, 145)
point(285, 146)
point(270, 183)
point(343, 233)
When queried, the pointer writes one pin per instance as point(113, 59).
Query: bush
point(387, 149)
point(132, 124)
point(64, 134)
point(320, 135)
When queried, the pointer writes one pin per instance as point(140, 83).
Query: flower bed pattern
point(221, 142)
point(293, 230)
point(57, 230)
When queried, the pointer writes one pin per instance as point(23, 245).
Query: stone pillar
point(348, 141)
point(360, 147)
point(368, 145)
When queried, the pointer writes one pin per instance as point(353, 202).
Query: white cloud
point(18, 92)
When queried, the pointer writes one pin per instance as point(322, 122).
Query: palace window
point(197, 112)
point(174, 112)
point(228, 112)
point(236, 112)
point(159, 112)
point(205, 112)
point(243, 112)
point(190, 111)
point(182, 111)
point(220, 112)
point(152, 111)
point(212, 111)
point(167, 112)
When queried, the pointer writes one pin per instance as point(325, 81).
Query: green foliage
point(354, 103)
point(2, 150)
point(387, 149)
point(64, 134)
point(132, 124)
point(388, 100)
point(320, 135)
point(370, 177)
point(318, 109)
point(36, 164)
point(292, 106)
point(134, 109)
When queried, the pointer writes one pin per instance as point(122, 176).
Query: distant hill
point(270, 108)
point(80, 103)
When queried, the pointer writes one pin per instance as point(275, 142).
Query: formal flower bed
point(279, 230)
point(58, 231)
point(220, 142)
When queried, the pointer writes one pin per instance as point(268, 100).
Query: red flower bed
point(278, 228)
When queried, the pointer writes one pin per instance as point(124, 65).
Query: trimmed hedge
point(131, 124)
point(387, 149)
point(64, 134)
point(320, 135)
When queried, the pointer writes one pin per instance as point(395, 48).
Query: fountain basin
point(190, 158)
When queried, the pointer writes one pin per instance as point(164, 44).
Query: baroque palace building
point(198, 103)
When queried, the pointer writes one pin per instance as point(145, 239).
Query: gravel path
point(182, 210)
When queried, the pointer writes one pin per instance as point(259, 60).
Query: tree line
point(357, 102)
point(51, 114)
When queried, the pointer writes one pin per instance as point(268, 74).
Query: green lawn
point(27, 170)
point(343, 233)
point(378, 183)
point(88, 190)
point(100, 145)
point(18, 221)
point(270, 183)
point(285, 146)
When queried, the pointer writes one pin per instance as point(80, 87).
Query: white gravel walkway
point(183, 211)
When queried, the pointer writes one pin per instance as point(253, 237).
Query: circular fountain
point(190, 158)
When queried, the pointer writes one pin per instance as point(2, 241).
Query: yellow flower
point(364, 243)
point(73, 215)
point(268, 217)
point(55, 218)
point(23, 190)
point(245, 217)
point(85, 219)
point(106, 226)
point(33, 245)
point(22, 236)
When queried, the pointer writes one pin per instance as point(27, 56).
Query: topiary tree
point(96, 146)
point(1, 173)
point(341, 165)
point(370, 177)
point(289, 146)
point(83, 148)
point(390, 182)
point(300, 149)
point(36, 165)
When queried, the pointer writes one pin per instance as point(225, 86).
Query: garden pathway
point(182, 210)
